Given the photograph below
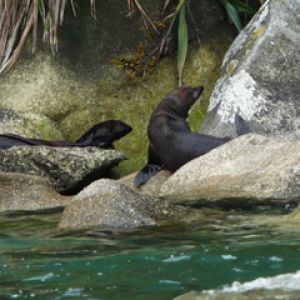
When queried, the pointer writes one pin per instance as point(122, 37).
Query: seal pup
point(171, 141)
point(100, 135)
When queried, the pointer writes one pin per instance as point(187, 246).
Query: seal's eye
point(197, 91)
point(190, 94)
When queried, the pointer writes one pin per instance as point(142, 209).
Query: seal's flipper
point(153, 166)
point(146, 173)
point(241, 126)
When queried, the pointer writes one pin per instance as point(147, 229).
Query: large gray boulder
point(260, 78)
point(67, 169)
point(110, 204)
point(20, 192)
point(251, 168)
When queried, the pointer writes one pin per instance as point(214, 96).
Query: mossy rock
point(28, 124)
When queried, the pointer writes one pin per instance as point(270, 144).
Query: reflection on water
point(39, 262)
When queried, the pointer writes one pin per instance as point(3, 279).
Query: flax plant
point(20, 18)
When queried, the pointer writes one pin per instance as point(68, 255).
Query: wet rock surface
point(260, 77)
point(151, 187)
point(283, 286)
point(252, 295)
point(67, 169)
point(110, 204)
point(250, 169)
point(20, 192)
point(292, 218)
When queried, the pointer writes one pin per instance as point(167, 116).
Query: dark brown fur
point(101, 135)
point(171, 141)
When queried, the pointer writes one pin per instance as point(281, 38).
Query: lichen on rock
point(260, 77)
point(67, 169)
point(28, 124)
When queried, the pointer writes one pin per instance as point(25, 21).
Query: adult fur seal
point(171, 142)
point(101, 135)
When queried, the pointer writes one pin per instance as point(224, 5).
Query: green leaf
point(182, 43)
point(167, 2)
point(42, 9)
point(233, 14)
point(243, 8)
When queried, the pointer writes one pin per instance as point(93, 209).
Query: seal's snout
point(119, 129)
point(198, 91)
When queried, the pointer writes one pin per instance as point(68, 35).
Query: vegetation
point(234, 9)
point(20, 18)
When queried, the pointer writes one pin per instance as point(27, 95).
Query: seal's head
point(104, 134)
point(183, 98)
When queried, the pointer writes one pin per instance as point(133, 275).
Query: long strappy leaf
point(182, 43)
point(233, 14)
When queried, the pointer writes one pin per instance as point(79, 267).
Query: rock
point(67, 169)
point(151, 187)
point(292, 218)
point(251, 168)
point(260, 76)
point(20, 192)
point(110, 204)
point(282, 286)
point(28, 124)
point(263, 294)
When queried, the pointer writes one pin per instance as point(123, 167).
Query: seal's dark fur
point(101, 135)
point(171, 141)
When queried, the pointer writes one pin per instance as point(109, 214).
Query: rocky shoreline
point(260, 80)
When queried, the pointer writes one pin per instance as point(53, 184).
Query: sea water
point(228, 254)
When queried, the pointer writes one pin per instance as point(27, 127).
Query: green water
point(39, 262)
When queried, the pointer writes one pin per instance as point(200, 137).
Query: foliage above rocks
point(20, 19)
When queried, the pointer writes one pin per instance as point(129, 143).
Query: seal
point(171, 141)
point(100, 135)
